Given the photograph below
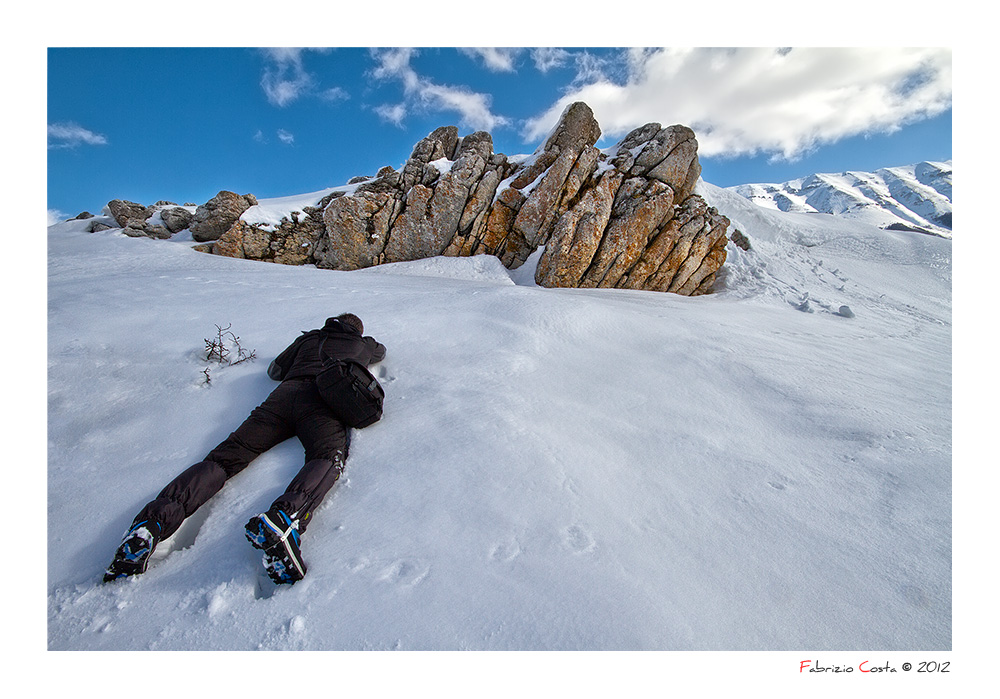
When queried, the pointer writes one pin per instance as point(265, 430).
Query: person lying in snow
point(294, 408)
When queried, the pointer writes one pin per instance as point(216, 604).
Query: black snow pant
point(294, 408)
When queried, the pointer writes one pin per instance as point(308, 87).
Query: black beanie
point(352, 320)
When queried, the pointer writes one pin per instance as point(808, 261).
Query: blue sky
point(180, 124)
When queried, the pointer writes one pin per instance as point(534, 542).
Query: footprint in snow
point(405, 573)
point(505, 551)
point(356, 564)
point(578, 539)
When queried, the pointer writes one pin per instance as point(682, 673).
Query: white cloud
point(548, 58)
point(395, 64)
point(286, 80)
point(498, 60)
point(66, 134)
point(393, 113)
point(286, 137)
point(473, 108)
point(750, 100)
point(591, 68)
point(335, 94)
point(54, 216)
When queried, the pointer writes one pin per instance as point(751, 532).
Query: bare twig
point(220, 349)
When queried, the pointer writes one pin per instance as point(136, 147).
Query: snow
point(523, 162)
point(556, 469)
point(442, 165)
point(268, 213)
point(914, 195)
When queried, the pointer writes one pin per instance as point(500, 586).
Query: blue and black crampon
point(277, 535)
point(132, 555)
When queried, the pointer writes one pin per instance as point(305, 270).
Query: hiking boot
point(284, 565)
point(132, 555)
point(270, 528)
point(277, 535)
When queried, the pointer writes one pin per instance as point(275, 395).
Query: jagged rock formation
point(625, 217)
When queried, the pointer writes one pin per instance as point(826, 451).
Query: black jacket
point(339, 341)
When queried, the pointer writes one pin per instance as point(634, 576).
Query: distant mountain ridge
point(911, 197)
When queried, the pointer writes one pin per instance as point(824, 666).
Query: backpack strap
point(322, 359)
point(325, 362)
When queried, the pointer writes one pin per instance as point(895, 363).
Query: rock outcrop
point(293, 242)
point(218, 214)
point(623, 217)
point(161, 220)
point(176, 218)
point(126, 213)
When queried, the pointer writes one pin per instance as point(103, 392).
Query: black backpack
point(353, 394)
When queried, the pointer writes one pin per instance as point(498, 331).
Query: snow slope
point(913, 196)
point(764, 468)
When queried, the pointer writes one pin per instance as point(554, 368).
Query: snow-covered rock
point(914, 197)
